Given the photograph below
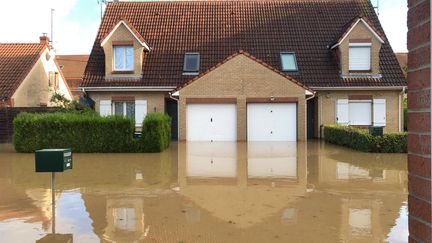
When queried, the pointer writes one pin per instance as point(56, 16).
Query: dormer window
point(288, 62)
point(191, 63)
point(360, 57)
point(123, 58)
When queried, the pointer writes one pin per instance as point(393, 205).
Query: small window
point(360, 57)
point(123, 58)
point(191, 62)
point(125, 109)
point(288, 61)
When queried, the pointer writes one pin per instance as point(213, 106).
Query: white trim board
point(352, 27)
point(146, 46)
point(138, 88)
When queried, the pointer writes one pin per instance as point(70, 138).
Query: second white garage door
point(211, 122)
point(272, 122)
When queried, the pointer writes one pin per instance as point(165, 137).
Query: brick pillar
point(419, 121)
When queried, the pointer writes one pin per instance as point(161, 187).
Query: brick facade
point(419, 124)
point(243, 78)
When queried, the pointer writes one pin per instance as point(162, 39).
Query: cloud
point(26, 20)
point(394, 22)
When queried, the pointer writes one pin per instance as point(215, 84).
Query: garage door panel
point(211, 122)
point(272, 122)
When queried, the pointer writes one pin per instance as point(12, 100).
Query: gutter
point(361, 88)
point(138, 88)
point(400, 110)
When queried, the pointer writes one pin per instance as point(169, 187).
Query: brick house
point(247, 70)
point(29, 75)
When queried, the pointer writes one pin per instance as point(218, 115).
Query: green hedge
point(156, 132)
point(360, 139)
point(83, 133)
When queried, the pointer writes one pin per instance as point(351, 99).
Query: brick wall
point(242, 78)
point(419, 121)
point(7, 115)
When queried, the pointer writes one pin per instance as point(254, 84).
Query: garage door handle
point(271, 132)
point(211, 119)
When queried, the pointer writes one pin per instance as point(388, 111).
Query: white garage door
point(211, 122)
point(272, 122)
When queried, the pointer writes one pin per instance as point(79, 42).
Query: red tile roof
point(345, 30)
point(72, 67)
point(216, 29)
point(16, 61)
point(241, 52)
point(402, 58)
point(129, 25)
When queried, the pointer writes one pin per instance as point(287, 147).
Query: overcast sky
point(76, 22)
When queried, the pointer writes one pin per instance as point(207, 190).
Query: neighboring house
point(72, 67)
point(402, 58)
point(247, 70)
point(29, 74)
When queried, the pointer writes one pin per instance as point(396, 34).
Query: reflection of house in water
point(369, 187)
point(228, 179)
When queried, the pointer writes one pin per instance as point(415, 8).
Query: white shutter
point(105, 107)
point(140, 111)
point(360, 112)
point(342, 112)
point(359, 58)
point(379, 112)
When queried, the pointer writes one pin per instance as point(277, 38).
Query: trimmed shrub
point(393, 143)
point(360, 139)
point(355, 138)
point(80, 132)
point(156, 132)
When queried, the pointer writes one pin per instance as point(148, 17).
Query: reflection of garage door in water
point(272, 159)
point(272, 122)
point(217, 159)
point(211, 122)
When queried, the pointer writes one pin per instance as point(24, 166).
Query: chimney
point(44, 39)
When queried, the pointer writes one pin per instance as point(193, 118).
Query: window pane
point(191, 63)
point(119, 58)
point(129, 58)
point(288, 62)
point(360, 58)
point(130, 109)
point(360, 113)
point(118, 108)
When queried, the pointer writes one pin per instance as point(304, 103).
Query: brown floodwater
point(209, 192)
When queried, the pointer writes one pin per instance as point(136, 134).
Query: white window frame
point(295, 69)
point(359, 45)
point(124, 107)
point(124, 57)
point(346, 119)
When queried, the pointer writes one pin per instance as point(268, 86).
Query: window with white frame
point(288, 61)
point(123, 58)
point(124, 108)
point(137, 109)
point(359, 56)
point(361, 112)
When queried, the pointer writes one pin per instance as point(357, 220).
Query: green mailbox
point(53, 160)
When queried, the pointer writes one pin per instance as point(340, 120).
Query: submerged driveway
point(211, 192)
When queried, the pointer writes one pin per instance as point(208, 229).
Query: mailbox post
point(53, 160)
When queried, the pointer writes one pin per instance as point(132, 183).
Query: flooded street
point(210, 192)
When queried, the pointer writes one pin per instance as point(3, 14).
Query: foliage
point(80, 132)
point(89, 132)
point(156, 132)
point(69, 106)
point(360, 139)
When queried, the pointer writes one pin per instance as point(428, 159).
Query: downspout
point(401, 112)
point(178, 114)
point(313, 96)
